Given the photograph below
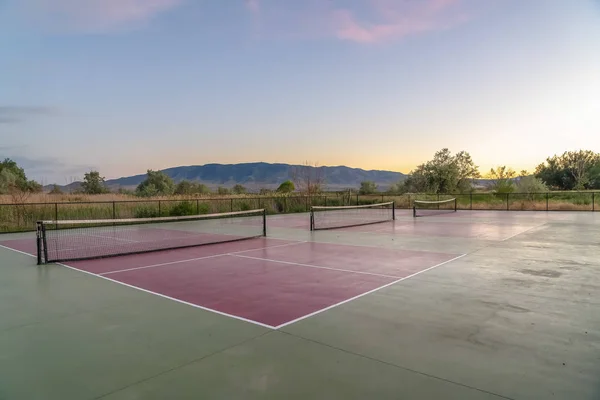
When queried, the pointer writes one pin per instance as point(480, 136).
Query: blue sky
point(127, 85)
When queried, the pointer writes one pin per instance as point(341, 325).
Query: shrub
point(286, 187)
point(183, 208)
point(203, 208)
point(145, 212)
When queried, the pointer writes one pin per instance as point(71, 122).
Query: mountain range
point(255, 176)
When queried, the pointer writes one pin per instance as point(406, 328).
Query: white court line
point(314, 266)
point(365, 293)
point(242, 318)
point(18, 251)
point(526, 230)
point(198, 258)
point(151, 292)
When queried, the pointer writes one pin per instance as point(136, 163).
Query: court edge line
point(365, 293)
point(18, 251)
point(314, 266)
point(196, 259)
point(171, 298)
point(151, 292)
point(526, 230)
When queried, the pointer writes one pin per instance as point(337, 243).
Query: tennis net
point(346, 216)
point(86, 239)
point(423, 208)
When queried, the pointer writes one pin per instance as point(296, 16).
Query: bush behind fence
point(22, 217)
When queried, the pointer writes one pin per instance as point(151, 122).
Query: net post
point(312, 220)
point(507, 203)
point(56, 211)
point(264, 218)
point(114, 214)
point(159, 213)
point(593, 201)
point(38, 231)
point(471, 201)
point(44, 242)
point(394, 210)
point(455, 204)
point(547, 201)
point(414, 211)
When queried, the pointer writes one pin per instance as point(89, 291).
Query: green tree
point(286, 187)
point(157, 183)
point(183, 188)
point(8, 181)
point(93, 183)
point(18, 172)
point(573, 170)
point(530, 185)
point(55, 190)
point(14, 179)
point(502, 179)
point(187, 188)
point(367, 187)
point(445, 173)
point(239, 189)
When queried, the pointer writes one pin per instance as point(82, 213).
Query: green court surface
point(513, 314)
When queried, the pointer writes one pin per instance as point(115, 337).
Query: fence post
point(285, 205)
point(593, 201)
point(159, 213)
point(197, 206)
point(56, 211)
point(231, 205)
point(547, 198)
point(114, 210)
point(357, 201)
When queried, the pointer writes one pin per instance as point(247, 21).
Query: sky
point(123, 86)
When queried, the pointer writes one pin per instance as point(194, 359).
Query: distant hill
point(259, 175)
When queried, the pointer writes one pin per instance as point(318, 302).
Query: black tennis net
point(86, 239)
point(346, 216)
point(423, 208)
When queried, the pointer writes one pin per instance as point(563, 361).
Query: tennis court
point(449, 304)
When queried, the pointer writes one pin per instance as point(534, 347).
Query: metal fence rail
point(22, 217)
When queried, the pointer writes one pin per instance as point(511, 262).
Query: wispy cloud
point(361, 21)
point(15, 114)
point(95, 16)
point(397, 19)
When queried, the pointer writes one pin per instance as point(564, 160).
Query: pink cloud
point(97, 15)
point(396, 20)
point(378, 21)
point(253, 6)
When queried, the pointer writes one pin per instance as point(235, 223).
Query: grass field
point(16, 217)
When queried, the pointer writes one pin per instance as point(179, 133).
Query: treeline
point(457, 173)
point(157, 183)
point(444, 173)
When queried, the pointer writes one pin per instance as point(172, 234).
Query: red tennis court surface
point(270, 282)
